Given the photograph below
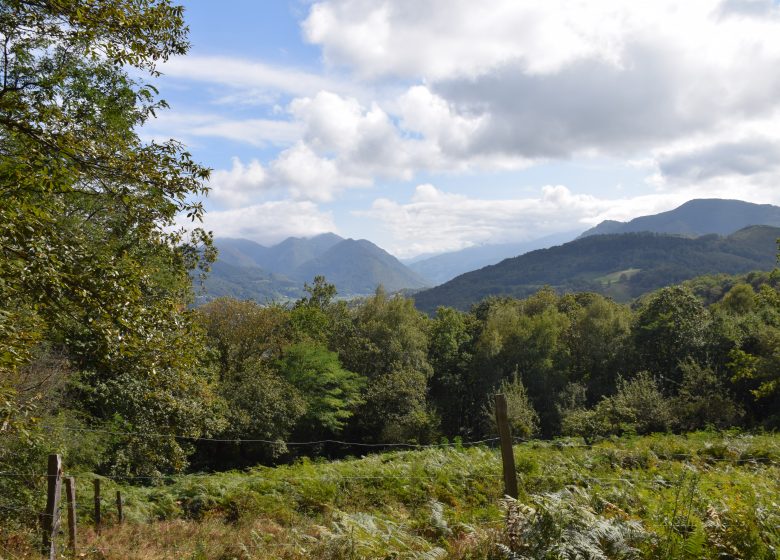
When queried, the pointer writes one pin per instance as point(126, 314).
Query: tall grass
point(703, 495)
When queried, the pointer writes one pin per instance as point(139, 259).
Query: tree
point(669, 328)
point(89, 258)
point(456, 389)
point(331, 392)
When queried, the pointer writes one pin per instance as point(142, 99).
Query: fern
point(564, 525)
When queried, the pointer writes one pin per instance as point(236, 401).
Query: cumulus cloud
point(439, 38)
point(270, 222)
point(552, 79)
point(238, 185)
point(749, 157)
point(308, 176)
point(436, 221)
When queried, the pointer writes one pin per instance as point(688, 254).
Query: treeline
point(578, 364)
point(377, 371)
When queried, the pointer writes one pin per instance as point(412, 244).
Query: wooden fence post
point(120, 515)
point(507, 453)
point(96, 484)
point(70, 491)
point(51, 517)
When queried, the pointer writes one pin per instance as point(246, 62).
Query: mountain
point(622, 266)
point(358, 267)
point(248, 270)
point(697, 217)
point(293, 252)
point(441, 268)
point(240, 252)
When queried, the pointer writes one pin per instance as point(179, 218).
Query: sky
point(429, 126)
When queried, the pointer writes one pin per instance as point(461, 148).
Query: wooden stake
point(120, 515)
point(51, 517)
point(96, 484)
point(507, 453)
point(70, 492)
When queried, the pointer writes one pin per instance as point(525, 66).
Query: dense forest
point(104, 359)
point(379, 371)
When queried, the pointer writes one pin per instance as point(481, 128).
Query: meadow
point(701, 495)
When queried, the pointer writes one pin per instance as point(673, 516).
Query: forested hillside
point(441, 268)
point(622, 266)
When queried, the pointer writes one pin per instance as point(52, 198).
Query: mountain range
point(622, 266)
point(248, 270)
point(614, 258)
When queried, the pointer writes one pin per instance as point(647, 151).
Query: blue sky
point(433, 125)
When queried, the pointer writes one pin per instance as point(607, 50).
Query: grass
point(703, 495)
point(615, 277)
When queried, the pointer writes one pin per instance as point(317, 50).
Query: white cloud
point(308, 176)
point(255, 132)
point(255, 78)
point(439, 38)
point(238, 185)
point(552, 78)
point(436, 221)
point(271, 222)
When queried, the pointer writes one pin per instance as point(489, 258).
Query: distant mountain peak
point(697, 217)
point(355, 266)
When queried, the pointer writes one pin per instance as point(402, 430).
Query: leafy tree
point(597, 339)
point(669, 328)
point(389, 335)
point(241, 331)
point(89, 258)
point(702, 400)
point(456, 389)
point(331, 392)
point(311, 317)
point(396, 409)
point(526, 336)
point(259, 404)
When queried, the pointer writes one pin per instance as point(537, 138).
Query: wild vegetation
point(103, 360)
point(703, 495)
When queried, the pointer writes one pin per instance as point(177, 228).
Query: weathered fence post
point(51, 517)
point(96, 484)
point(120, 515)
point(70, 492)
point(507, 453)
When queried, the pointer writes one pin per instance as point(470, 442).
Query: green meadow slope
point(703, 495)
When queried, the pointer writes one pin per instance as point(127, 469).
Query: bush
point(639, 407)
point(703, 401)
point(523, 419)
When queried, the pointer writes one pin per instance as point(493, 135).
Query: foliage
point(670, 327)
point(564, 524)
point(523, 419)
point(702, 400)
point(331, 392)
point(702, 495)
point(639, 406)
